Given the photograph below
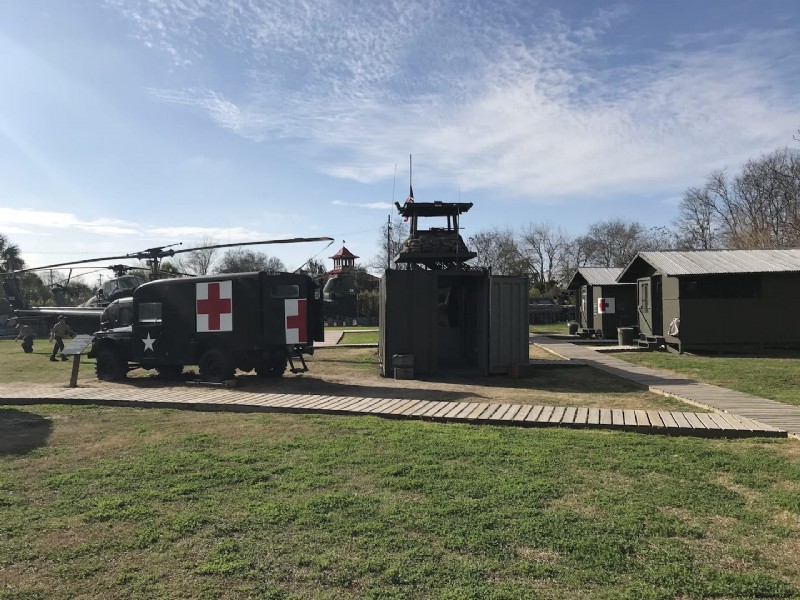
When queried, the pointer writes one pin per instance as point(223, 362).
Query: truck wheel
point(170, 371)
point(216, 367)
point(109, 365)
point(272, 369)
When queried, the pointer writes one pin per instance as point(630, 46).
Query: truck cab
point(247, 321)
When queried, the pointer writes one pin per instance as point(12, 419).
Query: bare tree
point(545, 245)
point(498, 250)
point(238, 260)
point(757, 208)
point(615, 242)
point(315, 267)
point(392, 235)
point(576, 254)
point(697, 225)
point(199, 261)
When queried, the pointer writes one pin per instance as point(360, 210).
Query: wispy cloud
point(44, 220)
point(536, 107)
point(219, 235)
point(370, 205)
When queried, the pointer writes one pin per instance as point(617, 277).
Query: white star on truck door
point(148, 343)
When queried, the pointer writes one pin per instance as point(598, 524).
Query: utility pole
point(388, 241)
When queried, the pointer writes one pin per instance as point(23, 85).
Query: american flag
point(410, 199)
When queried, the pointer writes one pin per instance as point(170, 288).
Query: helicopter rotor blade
point(160, 252)
point(74, 262)
point(284, 241)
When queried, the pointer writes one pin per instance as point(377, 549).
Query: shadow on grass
point(574, 380)
point(304, 384)
point(21, 432)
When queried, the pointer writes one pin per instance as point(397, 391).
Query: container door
point(508, 323)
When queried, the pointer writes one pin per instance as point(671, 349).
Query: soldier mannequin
point(58, 332)
point(25, 333)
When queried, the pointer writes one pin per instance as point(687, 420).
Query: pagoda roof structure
point(344, 253)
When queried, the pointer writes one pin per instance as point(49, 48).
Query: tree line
point(756, 208)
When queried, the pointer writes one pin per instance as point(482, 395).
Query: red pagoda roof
point(344, 253)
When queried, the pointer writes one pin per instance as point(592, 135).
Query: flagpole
point(410, 183)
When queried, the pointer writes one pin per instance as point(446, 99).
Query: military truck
point(248, 321)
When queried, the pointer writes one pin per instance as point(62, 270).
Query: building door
point(644, 306)
point(657, 305)
point(586, 308)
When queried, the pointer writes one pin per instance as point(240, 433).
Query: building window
point(721, 287)
point(285, 291)
point(644, 295)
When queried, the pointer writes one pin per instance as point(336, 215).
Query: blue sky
point(127, 124)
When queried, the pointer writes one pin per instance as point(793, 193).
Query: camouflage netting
point(434, 244)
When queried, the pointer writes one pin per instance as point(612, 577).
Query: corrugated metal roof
point(715, 262)
point(600, 275)
point(597, 275)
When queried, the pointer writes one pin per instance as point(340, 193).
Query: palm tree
point(10, 260)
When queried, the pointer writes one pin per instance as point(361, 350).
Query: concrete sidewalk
point(777, 414)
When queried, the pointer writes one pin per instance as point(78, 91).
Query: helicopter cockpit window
point(285, 291)
point(129, 282)
point(150, 312)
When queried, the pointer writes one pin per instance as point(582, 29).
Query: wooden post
point(76, 365)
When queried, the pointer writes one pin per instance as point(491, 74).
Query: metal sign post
point(75, 348)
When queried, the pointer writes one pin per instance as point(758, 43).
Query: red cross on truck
point(214, 306)
point(247, 321)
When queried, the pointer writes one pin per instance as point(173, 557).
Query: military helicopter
point(86, 317)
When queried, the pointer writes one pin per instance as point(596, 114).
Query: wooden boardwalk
point(524, 415)
point(770, 412)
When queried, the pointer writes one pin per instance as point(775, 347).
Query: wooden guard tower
point(437, 248)
point(441, 313)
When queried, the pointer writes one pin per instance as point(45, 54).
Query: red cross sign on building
point(214, 306)
point(296, 321)
point(605, 306)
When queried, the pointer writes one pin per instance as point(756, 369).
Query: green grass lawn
point(774, 376)
point(151, 503)
point(549, 328)
point(16, 366)
point(359, 337)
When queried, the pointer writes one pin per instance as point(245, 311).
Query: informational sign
point(75, 348)
point(77, 345)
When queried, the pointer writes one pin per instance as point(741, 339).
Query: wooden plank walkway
point(332, 337)
point(770, 412)
point(202, 398)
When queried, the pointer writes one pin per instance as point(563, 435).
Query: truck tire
point(271, 370)
point(216, 367)
point(110, 367)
